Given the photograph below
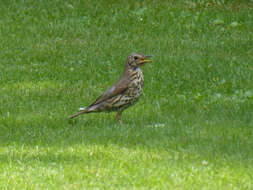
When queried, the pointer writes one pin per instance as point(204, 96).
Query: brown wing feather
point(120, 86)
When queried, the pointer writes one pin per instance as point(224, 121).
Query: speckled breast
point(133, 93)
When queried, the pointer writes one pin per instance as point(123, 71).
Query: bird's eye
point(135, 57)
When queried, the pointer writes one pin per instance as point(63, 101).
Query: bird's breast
point(137, 82)
point(134, 91)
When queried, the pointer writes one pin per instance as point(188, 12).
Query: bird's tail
point(79, 113)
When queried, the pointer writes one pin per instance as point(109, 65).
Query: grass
point(192, 129)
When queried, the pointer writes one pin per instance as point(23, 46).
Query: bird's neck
point(130, 70)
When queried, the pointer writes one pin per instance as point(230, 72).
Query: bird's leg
point(119, 117)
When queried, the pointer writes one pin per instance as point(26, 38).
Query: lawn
point(192, 128)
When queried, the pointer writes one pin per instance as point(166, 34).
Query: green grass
point(192, 129)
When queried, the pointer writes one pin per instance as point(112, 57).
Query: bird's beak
point(145, 59)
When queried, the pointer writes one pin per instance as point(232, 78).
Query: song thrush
point(125, 92)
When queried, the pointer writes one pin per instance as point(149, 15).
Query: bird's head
point(136, 60)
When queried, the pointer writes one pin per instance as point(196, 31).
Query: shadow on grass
point(229, 140)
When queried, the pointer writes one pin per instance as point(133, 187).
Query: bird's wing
point(119, 87)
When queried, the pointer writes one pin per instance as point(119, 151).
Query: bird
point(124, 93)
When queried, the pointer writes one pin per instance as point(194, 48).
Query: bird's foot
point(119, 117)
